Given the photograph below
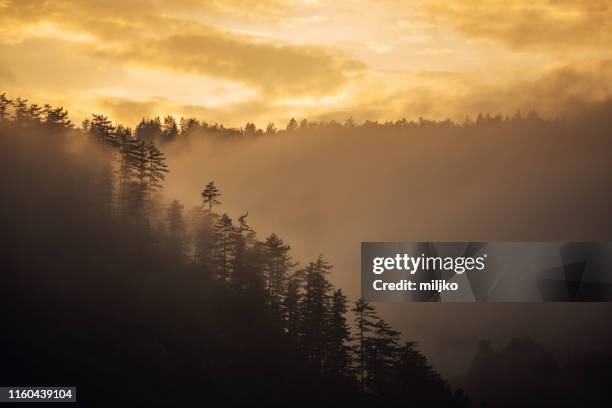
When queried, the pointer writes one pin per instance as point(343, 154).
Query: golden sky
point(233, 61)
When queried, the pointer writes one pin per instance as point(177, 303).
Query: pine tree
point(187, 126)
point(176, 241)
point(416, 380)
point(292, 125)
point(56, 118)
point(224, 248)
point(155, 169)
point(22, 116)
point(271, 129)
point(246, 266)
point(365, 319)
point(292, 318)
point(169, 129)
point(314, 310)
point(380, 357)
point(34, 115)
point(338, 335)
point(102, 129)
point(136, 194)
point(5, 104)
point(277, 266)
point(210, 195)
point(205, 239)
point(149, 129)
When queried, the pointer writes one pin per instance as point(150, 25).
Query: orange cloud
point(543, 25)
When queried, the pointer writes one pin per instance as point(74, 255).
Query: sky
point(237, 61)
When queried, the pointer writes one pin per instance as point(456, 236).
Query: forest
point(141, 300)
point(135, 300)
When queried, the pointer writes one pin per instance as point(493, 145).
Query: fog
point(325, 189)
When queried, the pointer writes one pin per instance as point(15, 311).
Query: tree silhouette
point(224, 248)
point(238, 310)
point(210, 195)
point(365, 320)
point(22, 113)
point(314, 309)
point(5, 104)
point(169, 130)
point(277, 267)
point(338, 335)
point(176, 240)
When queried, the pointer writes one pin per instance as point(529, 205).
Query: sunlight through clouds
point(277, 55)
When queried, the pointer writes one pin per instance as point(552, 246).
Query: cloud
point(271, 68)
point(560, 25)
point(140, 33)
point(561, 90)
point(129, 111)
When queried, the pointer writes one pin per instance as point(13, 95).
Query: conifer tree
point(277, 266)
point(365, 319)
point(34, 115)
point(56, 118)
point(22, 116)
point(149, 129)
point(205, 238)
point(187, 125)
point(380, 357)
point(210, 195)
point(5, 104)
point(338, 335)
point(136, 195)
point(224, 248)
point(314, 309)
point(292, 125)
point(292, 318)
point(176, 242)
point(246, 266)
point(155, 168)
point(169, 130)
point(206, 234)
point(102, 129)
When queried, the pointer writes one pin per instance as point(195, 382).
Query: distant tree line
point(169, 130)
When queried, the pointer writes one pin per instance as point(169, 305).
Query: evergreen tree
point(22, 115)
point(102, 129)
point(187, 126)
point(250, 129)
point(176, 241)
point(34, 115)
point(210, 195)
point(277, 266)
point(292, 318)
point(56, 118)
point(365, 319)
point(338, 335)
point(149, 129)
point(246, 266)
point(292, 125)
point(271, 129)
point(155, 168)
point(5, 104)
point(380, 357)
point(205, 240)
point(224, 248)
point(314, 310)
point(169, 129)
point(136, 194)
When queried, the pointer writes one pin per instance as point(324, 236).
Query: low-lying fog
point(326, 190)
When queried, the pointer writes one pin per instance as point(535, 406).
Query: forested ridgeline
point(140, 302)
